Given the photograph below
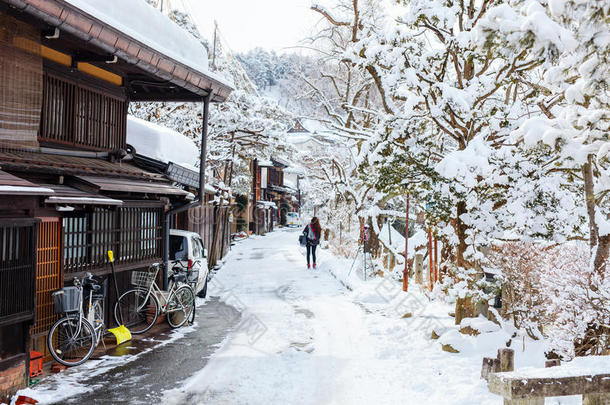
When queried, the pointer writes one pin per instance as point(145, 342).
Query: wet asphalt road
point(144, 380)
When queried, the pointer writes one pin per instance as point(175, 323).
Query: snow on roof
point(300, 138)
point(314, 126)
point(289, 183)
point(147, 25)
point(265, 163)
point(398, 240)
point(266, 204)
point(294, 170)
point(281, 161)
point(25, 190)
point(161, 143)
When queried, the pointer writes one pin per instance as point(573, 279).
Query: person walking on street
point(312, 233)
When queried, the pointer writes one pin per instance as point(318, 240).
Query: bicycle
point(74, 337)
point(192, 277)
point(192, 273)
point(139, 308)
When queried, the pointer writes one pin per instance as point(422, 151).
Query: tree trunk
point(587, 173)
point(464, 307)
point(373, 243)
point(599, 245)
point(602, 255)
point(460, 230)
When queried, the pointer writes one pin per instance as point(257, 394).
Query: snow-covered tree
point(576, 120)
point(245, 126)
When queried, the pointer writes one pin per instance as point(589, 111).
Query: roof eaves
point(88, 28)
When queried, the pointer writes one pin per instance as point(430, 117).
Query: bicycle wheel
point(71, 342)
point(98, 320)
point(190, 309)
point(180, 306)
point(137, 310)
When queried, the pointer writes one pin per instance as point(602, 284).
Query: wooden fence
point(205, 221)
point(17, 244)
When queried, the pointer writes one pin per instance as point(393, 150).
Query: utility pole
point(430, 259)
point(405, 272)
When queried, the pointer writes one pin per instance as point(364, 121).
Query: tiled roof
point(70, 165)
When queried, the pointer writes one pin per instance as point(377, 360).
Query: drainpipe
point(200, 199)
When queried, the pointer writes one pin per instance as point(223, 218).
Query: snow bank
point(481, 324)
point(161, 143)
point(150, 27)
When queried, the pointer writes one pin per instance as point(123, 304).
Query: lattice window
point(16, 269)
point(48, 273)
point(274, 176)
point(76, 237)
point(133, 233)
point(76, 115)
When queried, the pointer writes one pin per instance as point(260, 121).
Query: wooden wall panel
point(48, 273)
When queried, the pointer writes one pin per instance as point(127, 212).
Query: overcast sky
point(247, 24)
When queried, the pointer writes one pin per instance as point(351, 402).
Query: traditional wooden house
point(164, 151)
point(271, 198)
point(68, 70)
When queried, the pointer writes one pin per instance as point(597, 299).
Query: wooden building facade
point(271, 198)
point(69, 191)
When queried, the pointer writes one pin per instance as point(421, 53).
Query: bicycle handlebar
point(183, 265)
point(87, 280)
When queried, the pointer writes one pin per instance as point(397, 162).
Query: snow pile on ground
point(161, 143)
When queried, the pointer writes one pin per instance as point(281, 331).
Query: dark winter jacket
point(311, 242)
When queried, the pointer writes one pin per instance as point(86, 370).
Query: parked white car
point(187, 248)
point(293, 219)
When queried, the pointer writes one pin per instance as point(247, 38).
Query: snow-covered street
point(273, 332)
point(306, 339)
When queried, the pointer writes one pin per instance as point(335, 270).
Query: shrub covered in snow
point(551, 292)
